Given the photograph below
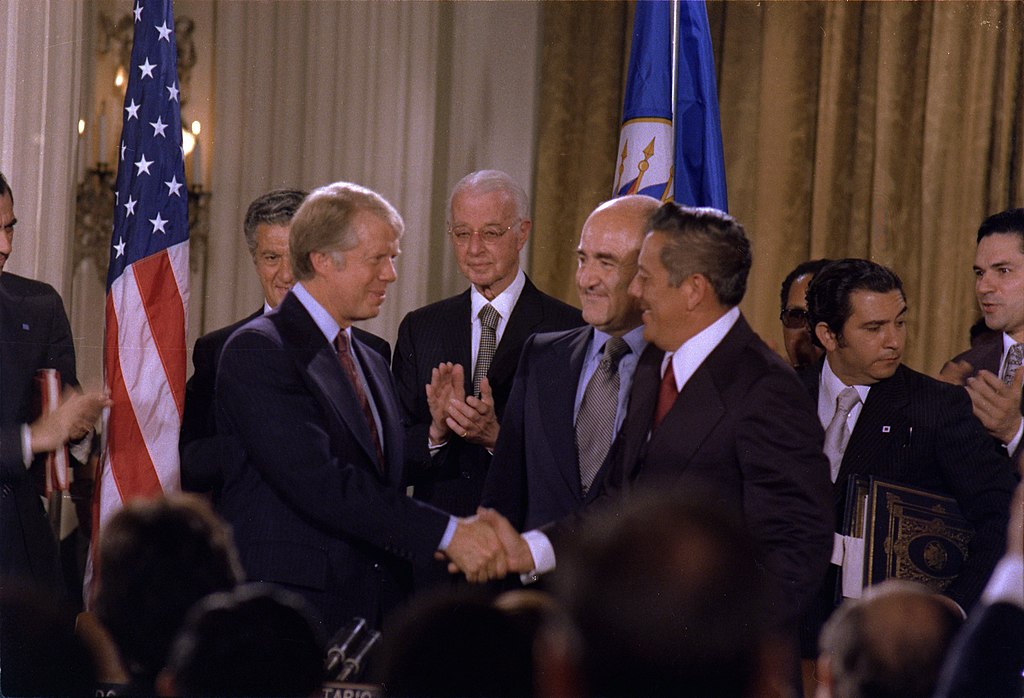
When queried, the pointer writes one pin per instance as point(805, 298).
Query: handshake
point(487, 547)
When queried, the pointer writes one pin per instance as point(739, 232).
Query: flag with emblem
point(670, 145)
point(147, 284)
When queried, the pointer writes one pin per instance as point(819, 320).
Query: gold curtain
point(875, 129)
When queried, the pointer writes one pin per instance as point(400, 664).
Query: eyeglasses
point(794, 319)
point(488, 234)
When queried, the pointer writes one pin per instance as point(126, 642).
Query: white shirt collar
point(831, 386)
point(634, 338)
point(688, 358)
point(504, 302)
point(327, 324)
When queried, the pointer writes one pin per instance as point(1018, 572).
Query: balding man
point(570, 392)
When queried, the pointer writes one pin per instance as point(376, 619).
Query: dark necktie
point(595, 422)
point(488, 340)
point(348, 364)
point(667, 395)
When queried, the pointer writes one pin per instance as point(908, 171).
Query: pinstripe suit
point(919, 431)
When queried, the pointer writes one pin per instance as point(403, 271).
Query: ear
point(321, 261)
point(523, 233)
point(826, 336)
point(697, 287)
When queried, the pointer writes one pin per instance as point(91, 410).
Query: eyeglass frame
point(786, 315)
point(480, 233)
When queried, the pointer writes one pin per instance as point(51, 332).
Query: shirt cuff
point(543, 556)
point(1011, 447)
point(26, 445)
point(1007, 582)
point(449, 533)
point(434, 448)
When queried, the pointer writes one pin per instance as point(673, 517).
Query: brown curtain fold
point(885, 130)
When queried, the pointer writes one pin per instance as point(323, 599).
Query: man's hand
point(996, 404)
point(476, 551)
point(474, 419)
point(73, 419)
point(517, 552)
point(956, 372)
point(446, 384)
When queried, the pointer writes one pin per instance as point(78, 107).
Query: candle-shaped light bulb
point(197, 157)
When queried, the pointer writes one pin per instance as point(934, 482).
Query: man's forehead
point(495, 202)
point(865, 302)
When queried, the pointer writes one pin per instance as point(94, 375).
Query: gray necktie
point(837, 434)
point(488, 340)
point(1014, 359)
point(595, 422)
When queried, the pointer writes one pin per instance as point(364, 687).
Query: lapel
point(556, 410)
point(319, 362)
point(457, 339)
point(526, 315)
point(882, 428)
point(629, 447)
point(379, 378)
point(15, 336)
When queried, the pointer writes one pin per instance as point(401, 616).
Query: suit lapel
point(458, 339)
point(383, 398)
point(881, 428)
point(320, 363)
point(557, 409)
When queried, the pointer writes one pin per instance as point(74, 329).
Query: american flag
point(147, 285)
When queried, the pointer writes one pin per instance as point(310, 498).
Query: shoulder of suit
point(24, 286)
point(917, 382)
point(989, 348)
point(219, 336)
point(440, 308)
point(542, 340)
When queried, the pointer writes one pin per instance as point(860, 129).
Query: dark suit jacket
point(310, 508)
point(919, 431)
point(987, 657)
point(202, 454)
point(34, 334)
point(534, 477)
point(743, 435)
point(454, 480)
point(985, 356)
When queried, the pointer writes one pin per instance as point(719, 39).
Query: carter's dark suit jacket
point(34, 334)
point(311, 508)
point(534, 477)
point(987, 657)
point(921, 432)
point(202, 454)
point(985, 355)
point(442, 331)
point(743, 435)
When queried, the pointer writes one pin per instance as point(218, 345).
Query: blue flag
point(671, 150)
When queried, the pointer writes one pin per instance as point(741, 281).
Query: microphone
point(343, 640)
point(353, 665)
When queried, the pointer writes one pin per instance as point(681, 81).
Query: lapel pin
point(24, 325)
point(886, 429)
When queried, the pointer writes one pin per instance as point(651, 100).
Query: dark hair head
point(276, 207)
point(254, 641)
point(456, 644)
point(705, 241)
point(1010, 222)
point(5, 188)
point(828, 296)
point(156, 559)
point(679, 613)
point(812, 267)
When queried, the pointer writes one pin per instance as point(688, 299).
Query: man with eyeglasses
point(455, 359)
point(796, 334)
point(570, 393)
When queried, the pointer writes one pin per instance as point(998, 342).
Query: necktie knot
point(847, 400)
point(1014, 359)
point(489, 317)
point(614, 349)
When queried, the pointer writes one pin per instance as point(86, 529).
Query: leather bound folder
point(909, 533)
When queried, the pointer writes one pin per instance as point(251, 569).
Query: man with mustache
point(886, 420)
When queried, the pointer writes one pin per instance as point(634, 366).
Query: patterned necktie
point(348, 365)
point(488, 340)
point(837, 435)
point(667, 394)
point(595, 422)
point(1014, 359)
